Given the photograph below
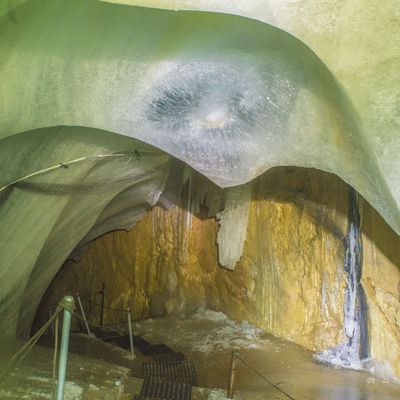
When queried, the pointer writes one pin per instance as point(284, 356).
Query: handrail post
point(232, 375)
point(69, 305)
point(128, 310)
point(83, 314)
point(103, 295)
point(52, 323)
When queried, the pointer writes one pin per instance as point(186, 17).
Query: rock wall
point(381, 281)
point(290, 279)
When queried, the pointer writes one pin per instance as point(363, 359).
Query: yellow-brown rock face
point(290, 279)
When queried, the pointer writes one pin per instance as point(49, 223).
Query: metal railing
point(236, 356)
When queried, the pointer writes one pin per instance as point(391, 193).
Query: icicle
point(186, 226)
point(233, 225)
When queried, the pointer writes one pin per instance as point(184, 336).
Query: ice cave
point(199, 199)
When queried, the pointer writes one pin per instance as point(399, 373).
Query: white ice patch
point(208, 331)
point(72, 391)
point(333, 357)
point(38, 379)
point(381, 370)
point(217, 394)
point(33, 394)
point(210, 315)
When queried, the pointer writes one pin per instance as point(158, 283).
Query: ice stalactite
point(187, 179)
point(233, 225)
point(355, 348)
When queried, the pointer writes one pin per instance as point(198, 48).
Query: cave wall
point(290, 279)
point(381, 281)
point(310, 84)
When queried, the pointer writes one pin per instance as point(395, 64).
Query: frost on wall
point(233, 225)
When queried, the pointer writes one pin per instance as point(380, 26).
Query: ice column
point(233, 225)
point(355, 347)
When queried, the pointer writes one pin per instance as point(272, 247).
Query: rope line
point(105, 307)
point(27, 347)
point(95, 324)
point(263, 377)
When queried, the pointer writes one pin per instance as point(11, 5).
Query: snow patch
point(210, 331)
point(210, 315)
point(72, 391)
point(218, 394)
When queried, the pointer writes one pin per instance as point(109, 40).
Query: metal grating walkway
point(160, 389)
point(178, 371)
point(148, 398)
point(168, 357)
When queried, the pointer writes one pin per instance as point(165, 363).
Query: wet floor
point(87, 378)
point(209, 338)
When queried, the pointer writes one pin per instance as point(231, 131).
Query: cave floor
point(206, 338)
point(87, 378)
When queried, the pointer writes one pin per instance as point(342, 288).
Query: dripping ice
point(354, 351)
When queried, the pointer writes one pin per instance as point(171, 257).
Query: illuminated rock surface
point(289, 281)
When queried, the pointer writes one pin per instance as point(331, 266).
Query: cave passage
point(220, 178)
point(295, 302)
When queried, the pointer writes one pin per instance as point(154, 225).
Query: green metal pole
point(62, 365)
point(103, 295)
point(128, 310)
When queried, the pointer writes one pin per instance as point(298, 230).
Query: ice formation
point(210, 331)
point(230, 96)
point(233, 225)
point(355, 349)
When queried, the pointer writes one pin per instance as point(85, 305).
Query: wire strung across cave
point(66, 164)
point(263, 377)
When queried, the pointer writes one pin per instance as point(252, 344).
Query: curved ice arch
point(107, 74)
point(70, 182)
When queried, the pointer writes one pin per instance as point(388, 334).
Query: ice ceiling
point(96, 96)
